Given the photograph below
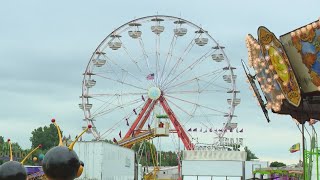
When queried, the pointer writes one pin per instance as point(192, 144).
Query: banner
point(272, 48)
point(303, 49)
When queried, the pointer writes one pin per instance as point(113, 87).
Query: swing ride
point(287, 72)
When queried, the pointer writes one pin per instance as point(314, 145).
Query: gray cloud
point(45, 47)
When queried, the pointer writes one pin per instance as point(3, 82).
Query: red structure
point(144, 114)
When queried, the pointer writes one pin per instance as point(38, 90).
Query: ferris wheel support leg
point(145, 118)
point(136, 122)
point(180, 131)
point(142, 120)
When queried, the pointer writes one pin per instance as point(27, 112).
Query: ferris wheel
point(153, 67)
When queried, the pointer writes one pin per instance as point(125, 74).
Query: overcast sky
point(45, 47)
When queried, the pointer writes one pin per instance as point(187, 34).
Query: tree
point(108, 141)
point(1, 148)
point(46, 136)
point(277, 164)
point(169, 159)
point(250, 155)
point(148, 153)
point(5, 149)
point(1, 140)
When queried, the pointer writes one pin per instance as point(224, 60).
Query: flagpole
point(300, 156)
point(303, 154)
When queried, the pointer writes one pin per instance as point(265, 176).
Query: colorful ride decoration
point(13, 169)
point(288, 73)
point(303, 48)
point(62, 162)
point(40, 157)
point(281, 173)
point(272, 50)
point(35, 173)
point(287, 70)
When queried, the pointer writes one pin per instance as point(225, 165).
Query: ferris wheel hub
point(154, 93)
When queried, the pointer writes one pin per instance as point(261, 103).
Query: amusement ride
point(159, 76)
point(286, 80)
point(154, 69)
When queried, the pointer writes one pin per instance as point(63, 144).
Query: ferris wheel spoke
point(157, 57)
point(180, 59)
point(173, 70)
point(207, 119)
point(190, 116)
point(145, 55)
point(187, 121)
point(174, 104)
point(120, 77)
point(103, 108)
point(108, 65)
point(124, 112)
point(104, 105)
point(190, 67)
point(208, 115)
point(117, 94)
point(106, 111)
point(121, 82)
point(211, 83)
point(186, 82)
point(194, 91)
point(135, 62)
point(190, 102)
point(118, 124)
point(146, 58)
point(169, 56)
point(210, 127)
point(122, 69)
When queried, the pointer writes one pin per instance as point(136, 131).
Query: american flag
point(150, 76)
